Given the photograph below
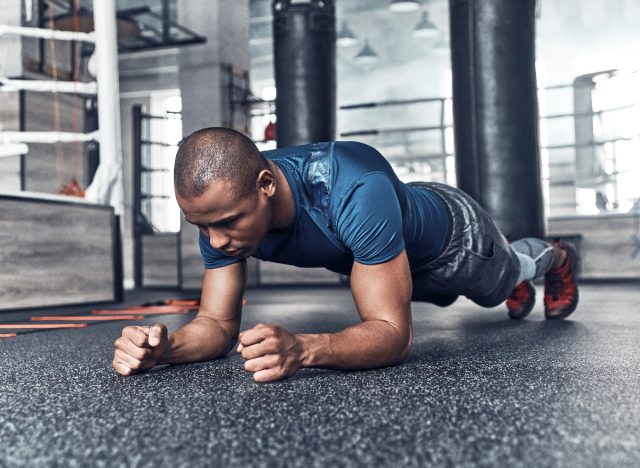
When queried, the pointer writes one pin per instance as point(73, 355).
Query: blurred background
point(188, 64)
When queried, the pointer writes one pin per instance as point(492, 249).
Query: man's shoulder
point(331, 167)
point(299, 150)
point(356, 160)
point(335, 145)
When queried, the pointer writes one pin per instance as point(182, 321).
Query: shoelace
point(556, 279)
point(554, 283)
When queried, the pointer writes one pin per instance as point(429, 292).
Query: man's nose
point(217, 239)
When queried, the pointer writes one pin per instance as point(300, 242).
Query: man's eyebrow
point(226, 219)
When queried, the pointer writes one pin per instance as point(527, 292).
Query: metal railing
point(144, 225)
point(407, 137)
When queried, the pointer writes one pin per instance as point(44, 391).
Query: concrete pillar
point(202, 76)
point(304, 48)
point(589, 157)
point(203, 79)
point(496, 111)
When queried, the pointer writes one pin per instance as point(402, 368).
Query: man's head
point(224, 186)
point(217, 154)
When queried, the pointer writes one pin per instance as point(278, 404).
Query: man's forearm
point(200, 340)
point(369, 344)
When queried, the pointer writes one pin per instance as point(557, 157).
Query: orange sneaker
point(560, 288)
point(522, 300)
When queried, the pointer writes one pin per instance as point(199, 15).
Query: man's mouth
point(234, 252)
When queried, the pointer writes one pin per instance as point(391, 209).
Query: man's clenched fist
point(140, 349)
point(270, 352)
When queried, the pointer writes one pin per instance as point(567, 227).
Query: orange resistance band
point(90, 318)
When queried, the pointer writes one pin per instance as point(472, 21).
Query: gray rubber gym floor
point(477, 390)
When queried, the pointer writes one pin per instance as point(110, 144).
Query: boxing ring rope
point(48, 137)
point(106, 187)
point(47, 33)
point(13, 149)
point(74, 87)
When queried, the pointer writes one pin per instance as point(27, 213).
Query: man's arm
point(383, 297)
point(210, 334)
point(214, 330)
point(382, 294)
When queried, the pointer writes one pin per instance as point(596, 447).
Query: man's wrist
point(165, 359)
point(315, 348)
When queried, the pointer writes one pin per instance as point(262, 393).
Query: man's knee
point(441, 300)
point(489, 301)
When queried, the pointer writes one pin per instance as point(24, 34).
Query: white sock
point(541, 252)
point(527, 268)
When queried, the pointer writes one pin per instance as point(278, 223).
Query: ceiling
point(565, 29)
point(388, 33)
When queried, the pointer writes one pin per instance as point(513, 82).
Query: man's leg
point(557, 263)
point(477, 261)
point(441, 300)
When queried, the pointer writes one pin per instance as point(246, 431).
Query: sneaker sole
point(573, 258)
point(527, 310)
point(566, 312)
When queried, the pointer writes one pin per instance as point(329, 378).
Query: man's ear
point(266, 182)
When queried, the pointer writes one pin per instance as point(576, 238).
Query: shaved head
point(217, 154)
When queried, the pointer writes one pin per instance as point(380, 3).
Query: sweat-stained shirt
point(349, 205)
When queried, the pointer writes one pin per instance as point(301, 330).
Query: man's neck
point(284, 206)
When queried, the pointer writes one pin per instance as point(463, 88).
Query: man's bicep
point(222, 292)
point(383, 292)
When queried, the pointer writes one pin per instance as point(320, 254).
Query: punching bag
point(495, 111)
point(304, 46)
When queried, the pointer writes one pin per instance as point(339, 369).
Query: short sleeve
point(369, 220)
point(213, 258)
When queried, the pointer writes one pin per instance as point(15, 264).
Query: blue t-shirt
point(349, 205)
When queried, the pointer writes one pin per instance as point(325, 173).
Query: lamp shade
point(366, 54)
point(404, 6)
point(346, 37)
point(425, 28)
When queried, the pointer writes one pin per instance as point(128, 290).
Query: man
point(340, 206)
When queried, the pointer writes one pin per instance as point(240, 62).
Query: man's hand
point(140, 349)
point(270, 352)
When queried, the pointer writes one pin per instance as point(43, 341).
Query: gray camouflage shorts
point(477, 262)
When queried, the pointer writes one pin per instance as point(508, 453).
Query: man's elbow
point(406, 349)
point(229, 342)
point(403, 348)
point(230, 345)
point(214, 331)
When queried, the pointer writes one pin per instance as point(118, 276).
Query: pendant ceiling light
point(346, 37)
point(425, 28)
point(404, 6)
point(366, 54)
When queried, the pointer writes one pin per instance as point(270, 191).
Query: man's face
point(235, 225)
